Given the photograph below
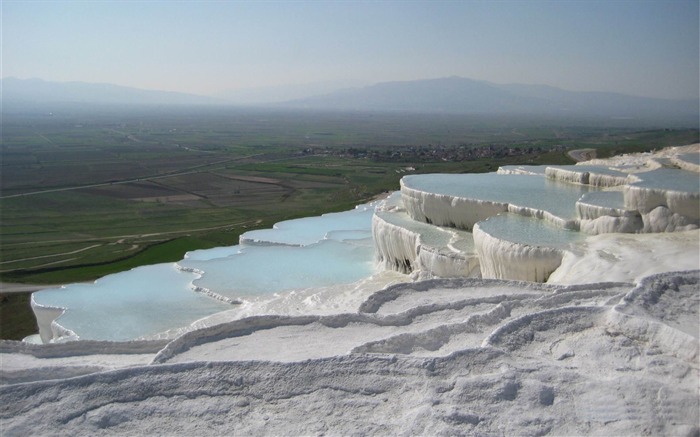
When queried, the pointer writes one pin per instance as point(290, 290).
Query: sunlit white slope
point(438, 357)
point(628, 257)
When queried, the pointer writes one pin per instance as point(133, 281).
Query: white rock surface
point(441, 357)
point(501, 259)
point(628, 257)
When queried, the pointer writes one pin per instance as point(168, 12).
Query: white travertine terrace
point(423, 230)
point(634, 195)
point(436, 357)
point(534, 170)
point(667, 200)
point(405, 245)
point(447, 210)
point(596, 176)
point(462, 200)
point(609, 346)
point(602, 212)
point(601, 203)
point(46, 317)
point(687, 161)
point(499, 258)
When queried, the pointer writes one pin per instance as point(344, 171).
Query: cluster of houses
point(432, 153)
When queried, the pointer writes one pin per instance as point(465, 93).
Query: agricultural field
point(90, 191)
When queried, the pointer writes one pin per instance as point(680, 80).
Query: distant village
point(432, 153)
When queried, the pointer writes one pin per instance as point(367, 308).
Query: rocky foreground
point(440, 357)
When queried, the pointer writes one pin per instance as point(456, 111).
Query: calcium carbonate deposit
point(536, 301)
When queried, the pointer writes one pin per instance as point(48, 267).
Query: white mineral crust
point(609, 346)
point(439, 357)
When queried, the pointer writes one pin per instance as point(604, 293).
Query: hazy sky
point(647, 48)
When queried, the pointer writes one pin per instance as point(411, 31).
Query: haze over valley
point(453, 95)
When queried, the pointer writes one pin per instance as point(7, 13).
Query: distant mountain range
point(460, 95)
point(447, 95)
point(37, 91)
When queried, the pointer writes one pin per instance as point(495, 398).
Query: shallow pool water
point(124, 306)
point(530, 191)
point(529, 231)
point(608, 199)
point(303, 254)
point(669, 179)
